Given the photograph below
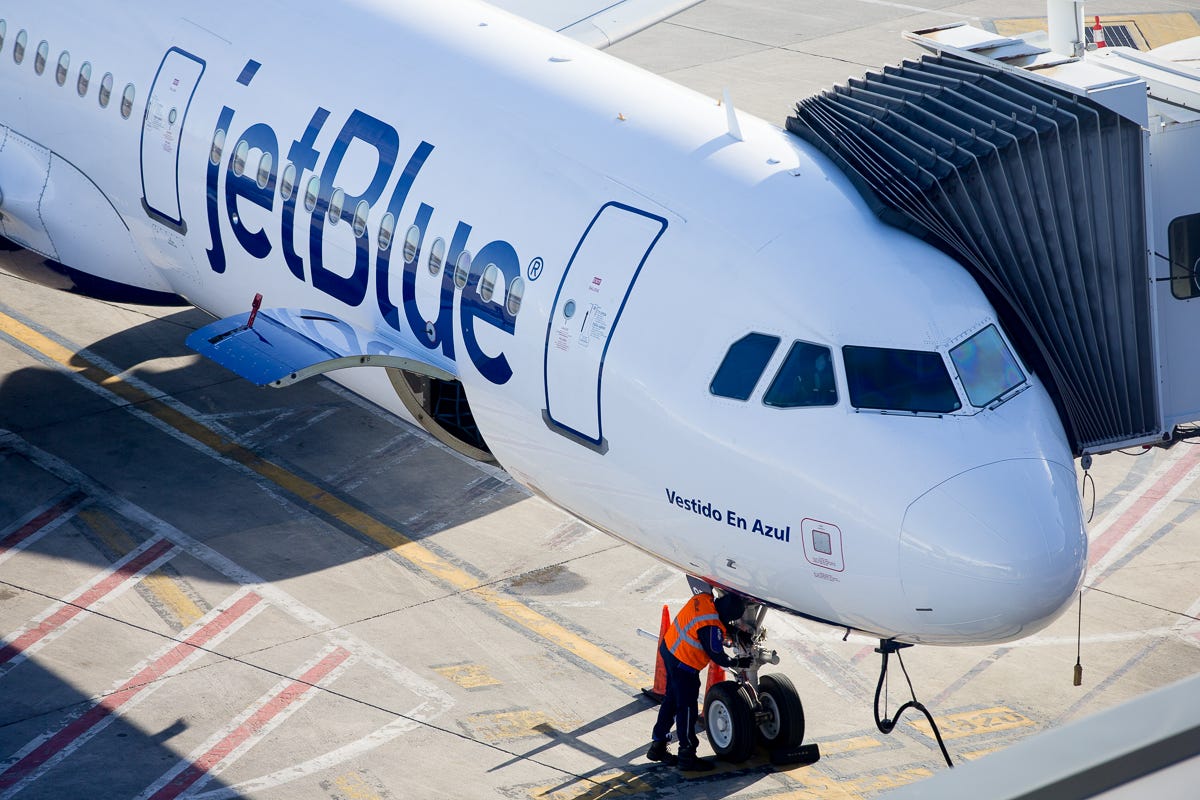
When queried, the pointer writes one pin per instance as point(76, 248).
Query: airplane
point(677, 322)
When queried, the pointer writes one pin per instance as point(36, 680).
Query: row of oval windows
point(40, 56)
point(387, 226)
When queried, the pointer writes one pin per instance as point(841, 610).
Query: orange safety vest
point(681, 639)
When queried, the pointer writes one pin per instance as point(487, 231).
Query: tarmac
point(211, 590)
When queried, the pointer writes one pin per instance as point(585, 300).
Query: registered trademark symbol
point(535, 269)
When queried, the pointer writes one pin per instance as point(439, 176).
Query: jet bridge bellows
point(1040, 193)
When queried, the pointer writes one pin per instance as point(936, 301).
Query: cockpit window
point(805, 379)
point(899, 380)
point(743, 366)
point(986, 367)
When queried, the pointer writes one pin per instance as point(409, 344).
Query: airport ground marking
point(66, 613)
point(39, 522)
point(163, 588)
point(46, 751)
point(82, 365)
point(263, 716)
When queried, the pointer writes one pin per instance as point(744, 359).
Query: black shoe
point(658, 752)
point(688, 762)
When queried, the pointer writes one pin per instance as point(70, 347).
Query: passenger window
point(516, 292)
point(287, 181)
point(412, 243)
point(240, 153)
point(39, 58)
point(85, 78)
point(743, 365)
point(1183, 241)
point(336, 203)
point(3, 31)
point(19, 46)
point(462, 269)
point(266, 166)
point(361, 211)
point(64, 64)
point(487, 283)
point(986, 367)
point(127, 101)
point(437, 255)
point(805, 379)
point(387, 229)
point(106, 86)
point(311, 192)
point(899, 380)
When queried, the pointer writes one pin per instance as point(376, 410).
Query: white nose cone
point(993, 553)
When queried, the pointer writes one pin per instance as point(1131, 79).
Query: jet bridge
point(1068, 195)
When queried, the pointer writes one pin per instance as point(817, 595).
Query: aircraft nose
point(994, 552)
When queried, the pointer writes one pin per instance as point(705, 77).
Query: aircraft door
point(166, 111)
point(587, 308)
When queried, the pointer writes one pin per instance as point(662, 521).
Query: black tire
point(783, 726)
point(729, 721)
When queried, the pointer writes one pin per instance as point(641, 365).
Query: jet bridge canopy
point(1040, 193)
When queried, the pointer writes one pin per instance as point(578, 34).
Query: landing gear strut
point(751, 709)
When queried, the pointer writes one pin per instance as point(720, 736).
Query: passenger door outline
point(178, 76)
point(594, 286)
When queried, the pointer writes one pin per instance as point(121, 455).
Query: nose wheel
point(751, 710)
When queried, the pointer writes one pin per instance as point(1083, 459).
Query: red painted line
point(75, 606)
point(41, 520)
point(1099, 548)
point(110, 703)
point(222, 749)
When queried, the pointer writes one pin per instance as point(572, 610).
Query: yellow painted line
point(351, 786)
point(849, 745)
point(815, 787)
point(163, 586)
point(468, 676)
point(412, 552)
point(974, 754)
point(620, 784)
point(976, 723)
point(500, 726)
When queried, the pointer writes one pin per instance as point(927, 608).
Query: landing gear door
point(587, 308)
point(166, 111)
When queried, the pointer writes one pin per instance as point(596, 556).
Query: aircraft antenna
point(735, 129)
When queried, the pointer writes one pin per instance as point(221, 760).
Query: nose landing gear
point(739, 714)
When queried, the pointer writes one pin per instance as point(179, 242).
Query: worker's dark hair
point(729, 607)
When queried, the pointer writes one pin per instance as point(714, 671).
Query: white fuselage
point(958, 527)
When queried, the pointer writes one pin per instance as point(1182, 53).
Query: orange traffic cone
point(715, 675)
point(1098, 34)
point(659, 690)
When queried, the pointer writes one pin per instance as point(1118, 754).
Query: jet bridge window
point(1183, 240)
point(986, 367)
point(805, 379)
point(743, 365)
point(899, 380)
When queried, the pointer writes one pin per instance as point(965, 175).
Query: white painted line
point(67, 613)
point(255, 723)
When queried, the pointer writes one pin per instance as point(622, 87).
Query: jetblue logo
point(304, 255)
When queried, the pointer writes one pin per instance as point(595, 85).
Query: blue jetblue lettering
point(242, 191)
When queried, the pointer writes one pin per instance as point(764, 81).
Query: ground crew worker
point(694, 640)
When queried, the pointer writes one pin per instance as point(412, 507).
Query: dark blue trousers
point(679, 703)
